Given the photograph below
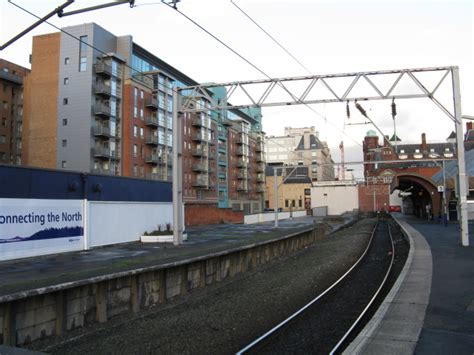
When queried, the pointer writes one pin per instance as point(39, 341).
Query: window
point(4, 122)
point(64, 164)
point(83, 64)
point(66, 61)
point(83, 53)
point(65, 101)
point(135, 131)
point(64, 121)
point(66, 81)
point(135, 150)
point(141, 132)
point(300, 203)
point(286, 203)
point(64, 143)
point(3, 139)
point(141, 94)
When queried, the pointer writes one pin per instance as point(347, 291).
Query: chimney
point(423, 142)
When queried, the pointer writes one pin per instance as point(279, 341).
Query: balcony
point(260, 168)
point(152, 121)
point(151, 139)
point(101, 170)
point(259, 157)
point(103, 69)
point(102, 153)
point(199, 137)
point(102, 110)
point(222, 162)
point(197, 122)
point(260, 178)
point(101, 131)
point(242, 175)
point(260, 189)
point(153, 159)
point(200, 167)
point(199, 152)
point(153, 176)
point(239, 152)
point(222, 135)
point(212, 155)
point(102, 89)
point(242, 164)
point(259, 147)
point(13, 78)
point(200, 183)
point(227, 122)
point(242, 187)
point(152, 102)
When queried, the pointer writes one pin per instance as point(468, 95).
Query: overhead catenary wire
point(146, 74)
point(270, 36)
point(256, 68)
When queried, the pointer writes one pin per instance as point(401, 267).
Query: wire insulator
point(348, 110)
point(394, 109)
point(361, 109)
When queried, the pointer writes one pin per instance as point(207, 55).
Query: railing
point(151, 120)
point(103, 89)
point(151, 139)
point(102, 110)
point(200, 167)
point(102, 68)
point(101, 131)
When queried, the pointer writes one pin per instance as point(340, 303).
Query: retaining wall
point(37, 314)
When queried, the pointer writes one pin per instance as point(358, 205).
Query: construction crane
point(341, 168)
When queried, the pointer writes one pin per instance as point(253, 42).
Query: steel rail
point(301, 310)
point(376, 294)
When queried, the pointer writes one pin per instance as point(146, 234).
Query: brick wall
point(198, 214)
point(366, 198)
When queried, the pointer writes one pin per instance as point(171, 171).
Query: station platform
point(430, 309)
point(22, 277)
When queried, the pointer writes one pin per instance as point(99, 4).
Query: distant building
point(11, 112)
point(294, 188)
point(413, 178)
point(110, 111)
point(301, 146)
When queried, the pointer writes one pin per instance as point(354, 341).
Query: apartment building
point(11, 111)
point(301, 146)
point(107, 107)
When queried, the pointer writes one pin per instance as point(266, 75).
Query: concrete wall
point(29, 316)
point(267, 217)
point(121, 222)
point(338, 199)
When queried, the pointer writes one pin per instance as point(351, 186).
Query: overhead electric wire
point(93, 47)
point(256, 68)
point(271, 37)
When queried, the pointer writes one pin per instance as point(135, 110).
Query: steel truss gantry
point(260, 93)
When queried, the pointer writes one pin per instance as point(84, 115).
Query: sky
point(326, 36)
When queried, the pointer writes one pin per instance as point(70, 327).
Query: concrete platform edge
point(361, 343)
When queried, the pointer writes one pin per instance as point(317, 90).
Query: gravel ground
point(224, 318)
point(321, 326)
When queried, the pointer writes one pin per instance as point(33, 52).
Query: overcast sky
point(332, 36)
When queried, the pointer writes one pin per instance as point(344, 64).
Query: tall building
point(11, 111)
point(106, 106)
point(301, 146)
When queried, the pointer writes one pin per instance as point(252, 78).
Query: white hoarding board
point(30, 227)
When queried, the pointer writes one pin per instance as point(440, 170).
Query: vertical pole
point(177, 173)
point(375, 204)
point(462, 182)
point(445, 202)
point(275, 195)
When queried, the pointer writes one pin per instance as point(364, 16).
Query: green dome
point(371, 133)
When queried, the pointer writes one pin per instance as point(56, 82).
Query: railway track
point(328, 322)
